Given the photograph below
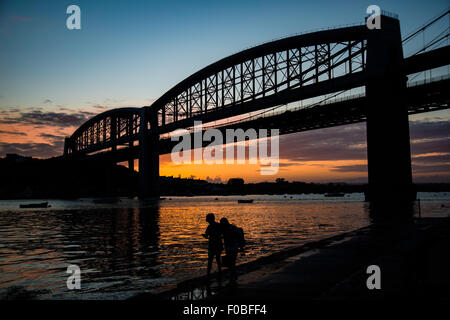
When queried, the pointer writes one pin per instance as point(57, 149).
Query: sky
point(129, 53)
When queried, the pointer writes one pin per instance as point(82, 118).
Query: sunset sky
point(128, 53)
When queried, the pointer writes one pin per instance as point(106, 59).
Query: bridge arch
point(273, 73)
point(105, 130)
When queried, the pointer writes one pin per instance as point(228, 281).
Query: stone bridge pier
point(388, 142)
point(149, 155)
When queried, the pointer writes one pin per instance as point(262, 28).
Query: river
point(132, 247)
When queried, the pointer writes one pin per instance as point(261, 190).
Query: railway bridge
point(277, 73)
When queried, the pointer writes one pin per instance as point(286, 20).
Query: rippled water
point(133, 247)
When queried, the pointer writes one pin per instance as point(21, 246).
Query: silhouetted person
point(231, 237)
point(215, 246)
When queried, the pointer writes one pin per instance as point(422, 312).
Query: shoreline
point(265, 265)
point(187, 195)
point(412, 258)
point(334, 268)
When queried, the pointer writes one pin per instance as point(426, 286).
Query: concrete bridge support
point(149, 155)
point(388, 144)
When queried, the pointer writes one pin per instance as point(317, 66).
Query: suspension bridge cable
point(433, 42)
point(425, 26)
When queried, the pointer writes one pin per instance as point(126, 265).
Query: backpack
point(240, 237)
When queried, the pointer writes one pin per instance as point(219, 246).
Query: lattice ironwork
point(272, 74)
point(108, 129)
point(251, 76)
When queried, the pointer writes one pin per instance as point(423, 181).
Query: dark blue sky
point(130, 52)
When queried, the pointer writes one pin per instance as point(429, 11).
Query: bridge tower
point(149, 154)
point(388, 141)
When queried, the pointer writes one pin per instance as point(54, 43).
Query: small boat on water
point(334, 194)
point(245, 201)
point(35, 205)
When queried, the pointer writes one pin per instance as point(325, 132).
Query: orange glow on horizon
point(306, 171)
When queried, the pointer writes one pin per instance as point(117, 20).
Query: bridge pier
point(149, 155)
point(131, 143)
point(388, 141)
point(131, 164)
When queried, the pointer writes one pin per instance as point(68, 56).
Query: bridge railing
point(428, 80)
point(347, 25)
point(265, 114)
point(326, 101)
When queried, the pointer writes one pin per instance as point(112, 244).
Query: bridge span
point(278, 73)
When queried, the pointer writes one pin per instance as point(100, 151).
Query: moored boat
point(334, 194)
point(245, 201)
point(35, 205)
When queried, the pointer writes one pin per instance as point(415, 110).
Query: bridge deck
point(421, 98)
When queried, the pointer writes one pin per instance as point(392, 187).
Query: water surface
point(132, 246)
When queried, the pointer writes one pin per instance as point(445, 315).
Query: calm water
point(133, 247)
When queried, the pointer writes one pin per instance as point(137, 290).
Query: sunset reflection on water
point(132, 247)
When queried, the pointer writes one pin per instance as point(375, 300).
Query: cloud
point(349, 142)
point(30, 149)
point(439, 158)
point(9, 111)
point(442, 177)
point(38, 117)
point(430, 141)
point(283, 164)
point(351, 168)
point(431, 168)
point(45, 130)
point(13, 132)
point(426, 129)
point(338, 143)
point(100, 107)
point(47, 101)
point(429, 137)
point(417, 168)
point(52, 138)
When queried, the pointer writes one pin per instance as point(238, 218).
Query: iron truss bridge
point(228, 93)
point(421, 97)
point(270, 75)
